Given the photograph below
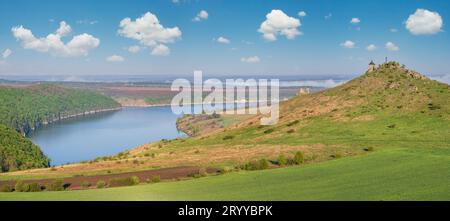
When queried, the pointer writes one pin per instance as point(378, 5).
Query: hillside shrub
point(336, 156)
point(268, 131)
point(86, 184)
point(299, 158)
point(21, 186)
point(34, 187)
point(56, 185)
point(156, 179)
point(127, 181)
point(6, 188)
point(225, 170)
point(200, 173)
point(101, 184)
point(263, 164)
point(282, 161)
point(257, 165)
point(293, 123)
point(194, 175)
point(432, 106)
point(369, 149)
point(228, 137)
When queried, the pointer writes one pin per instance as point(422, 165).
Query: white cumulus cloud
point(6, 53)
point(78, 46)
point(348, 44)
point(202, 15)
point(302, 13)
point(252, 59)
point(115, 58)
point(278, 23)
point(87, 22)
point(355, 21)
point(134, 49)
point(161, 50)
point(391, 46)
point(64, 29)
point(223, 40)
point(149, 32)
point(371, 47)
point(424, 22)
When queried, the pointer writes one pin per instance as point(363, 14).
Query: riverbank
point(81, 114)
point(68, 117)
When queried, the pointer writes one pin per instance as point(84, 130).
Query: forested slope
point(17, 152)
point(23, 109)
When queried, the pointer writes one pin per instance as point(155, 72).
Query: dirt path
point(73, 183)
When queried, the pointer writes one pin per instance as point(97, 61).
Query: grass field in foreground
point(394, 174)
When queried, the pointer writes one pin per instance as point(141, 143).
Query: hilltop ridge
point(389, 88)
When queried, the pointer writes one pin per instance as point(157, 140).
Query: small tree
point(156, 179)
point(85, 184)
point(202, 172)
point(263, 164)
point(6, 188)
point(299, 158)
point(101, 184)
point(20, 186)
point(34, 187)
point(282, 160)
point(228, 137)
point(56, 185)
point(135, 180)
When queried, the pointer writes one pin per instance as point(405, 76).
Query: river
point(86, 138)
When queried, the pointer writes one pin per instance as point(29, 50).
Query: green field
point(394, 174)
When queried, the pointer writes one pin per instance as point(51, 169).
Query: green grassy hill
point(24, 109)
point(390, 107)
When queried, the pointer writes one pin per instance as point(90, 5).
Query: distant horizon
point(166, 78)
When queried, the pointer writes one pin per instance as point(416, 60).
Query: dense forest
point(23, 109)
point(17, 152)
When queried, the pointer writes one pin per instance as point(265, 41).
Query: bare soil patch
point(73, 183)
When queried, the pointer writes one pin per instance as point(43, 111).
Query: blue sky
point(319, 50)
